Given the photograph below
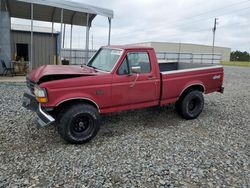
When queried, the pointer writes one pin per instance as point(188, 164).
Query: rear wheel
point(79, 124)
point(178, 107)
point(191, 105)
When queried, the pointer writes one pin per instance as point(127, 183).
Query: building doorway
point(22, 51)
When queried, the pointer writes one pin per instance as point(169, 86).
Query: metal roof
point(50, 10)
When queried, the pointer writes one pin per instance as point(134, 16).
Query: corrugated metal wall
point(5, 38)
point(44, 49)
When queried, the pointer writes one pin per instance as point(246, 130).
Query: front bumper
point(30, 103)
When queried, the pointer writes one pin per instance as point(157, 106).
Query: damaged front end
point(30, 102)
point(37, 96)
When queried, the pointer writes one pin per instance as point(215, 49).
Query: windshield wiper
point(92, 67)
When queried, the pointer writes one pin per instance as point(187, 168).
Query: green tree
point(239, 56)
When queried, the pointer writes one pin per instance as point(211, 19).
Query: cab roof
point(129, 47)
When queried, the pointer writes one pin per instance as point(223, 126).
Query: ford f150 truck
point(116, 78)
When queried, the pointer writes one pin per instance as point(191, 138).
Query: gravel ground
point(145, 148)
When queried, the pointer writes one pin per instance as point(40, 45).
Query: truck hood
point(60, 72)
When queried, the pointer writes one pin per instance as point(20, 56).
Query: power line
point(222, 8)
point(198, 15)
point(117, 36)
point(226, 25)
point(190, 23)
point(202, 19)
point(194, 17)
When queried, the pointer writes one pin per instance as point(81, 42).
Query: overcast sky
point(185, 21)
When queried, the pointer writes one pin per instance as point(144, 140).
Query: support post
point(87, 40)
point(92, 42)
point(109, 19)
point(71, 31)
point(71, 43)
point(64, 35)
point(60, 51)
point(31, 37)
point(54, 48)
point(52, 42)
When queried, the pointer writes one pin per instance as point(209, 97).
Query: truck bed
point(176, 77)
point(174, 65)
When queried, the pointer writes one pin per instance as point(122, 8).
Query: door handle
point(133, 84)
point(151, 77)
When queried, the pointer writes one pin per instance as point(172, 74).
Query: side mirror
point(136, 69)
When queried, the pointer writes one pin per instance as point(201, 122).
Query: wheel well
point(196, 87)
point(68, 103)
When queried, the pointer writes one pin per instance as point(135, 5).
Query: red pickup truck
point(116, 78)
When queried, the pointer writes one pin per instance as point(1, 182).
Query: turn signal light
point(42, 99)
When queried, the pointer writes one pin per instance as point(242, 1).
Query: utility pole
point(214, 30)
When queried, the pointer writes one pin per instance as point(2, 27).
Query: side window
point(140, 59)
point(123, 69)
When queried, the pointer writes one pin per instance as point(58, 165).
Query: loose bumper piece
point(30, 103)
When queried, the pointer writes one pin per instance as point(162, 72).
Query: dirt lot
point(145, 148)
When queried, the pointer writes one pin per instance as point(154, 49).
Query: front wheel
point(191, 105)
point(79, 124)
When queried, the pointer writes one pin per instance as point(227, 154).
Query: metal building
point(188, 48)
point(53, 11)
point(45, 44)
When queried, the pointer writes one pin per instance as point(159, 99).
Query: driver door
point(121, 83)
point(143, 86)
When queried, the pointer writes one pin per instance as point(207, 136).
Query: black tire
point(79, 123)
point(191, 105)
point(178, 107)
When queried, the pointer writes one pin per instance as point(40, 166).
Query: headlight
point(41, 95)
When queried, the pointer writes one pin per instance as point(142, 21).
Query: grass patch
point(236, 63)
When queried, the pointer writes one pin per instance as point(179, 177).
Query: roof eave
point(73, 6)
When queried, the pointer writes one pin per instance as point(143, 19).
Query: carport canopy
point(50, 10)
point(58, 11)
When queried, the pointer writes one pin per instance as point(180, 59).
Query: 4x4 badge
point(216, 77)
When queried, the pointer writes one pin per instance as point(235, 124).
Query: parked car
point(116, 78)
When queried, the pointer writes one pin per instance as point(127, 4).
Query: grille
point(30, 85)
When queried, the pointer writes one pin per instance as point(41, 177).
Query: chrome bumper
point(30, 103)
point(43, 118)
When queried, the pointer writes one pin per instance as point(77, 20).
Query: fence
point(79, 57)
point(205, 58)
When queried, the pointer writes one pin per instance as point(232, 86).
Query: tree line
point(239, 56)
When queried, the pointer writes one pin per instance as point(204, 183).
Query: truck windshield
point(105, 59)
